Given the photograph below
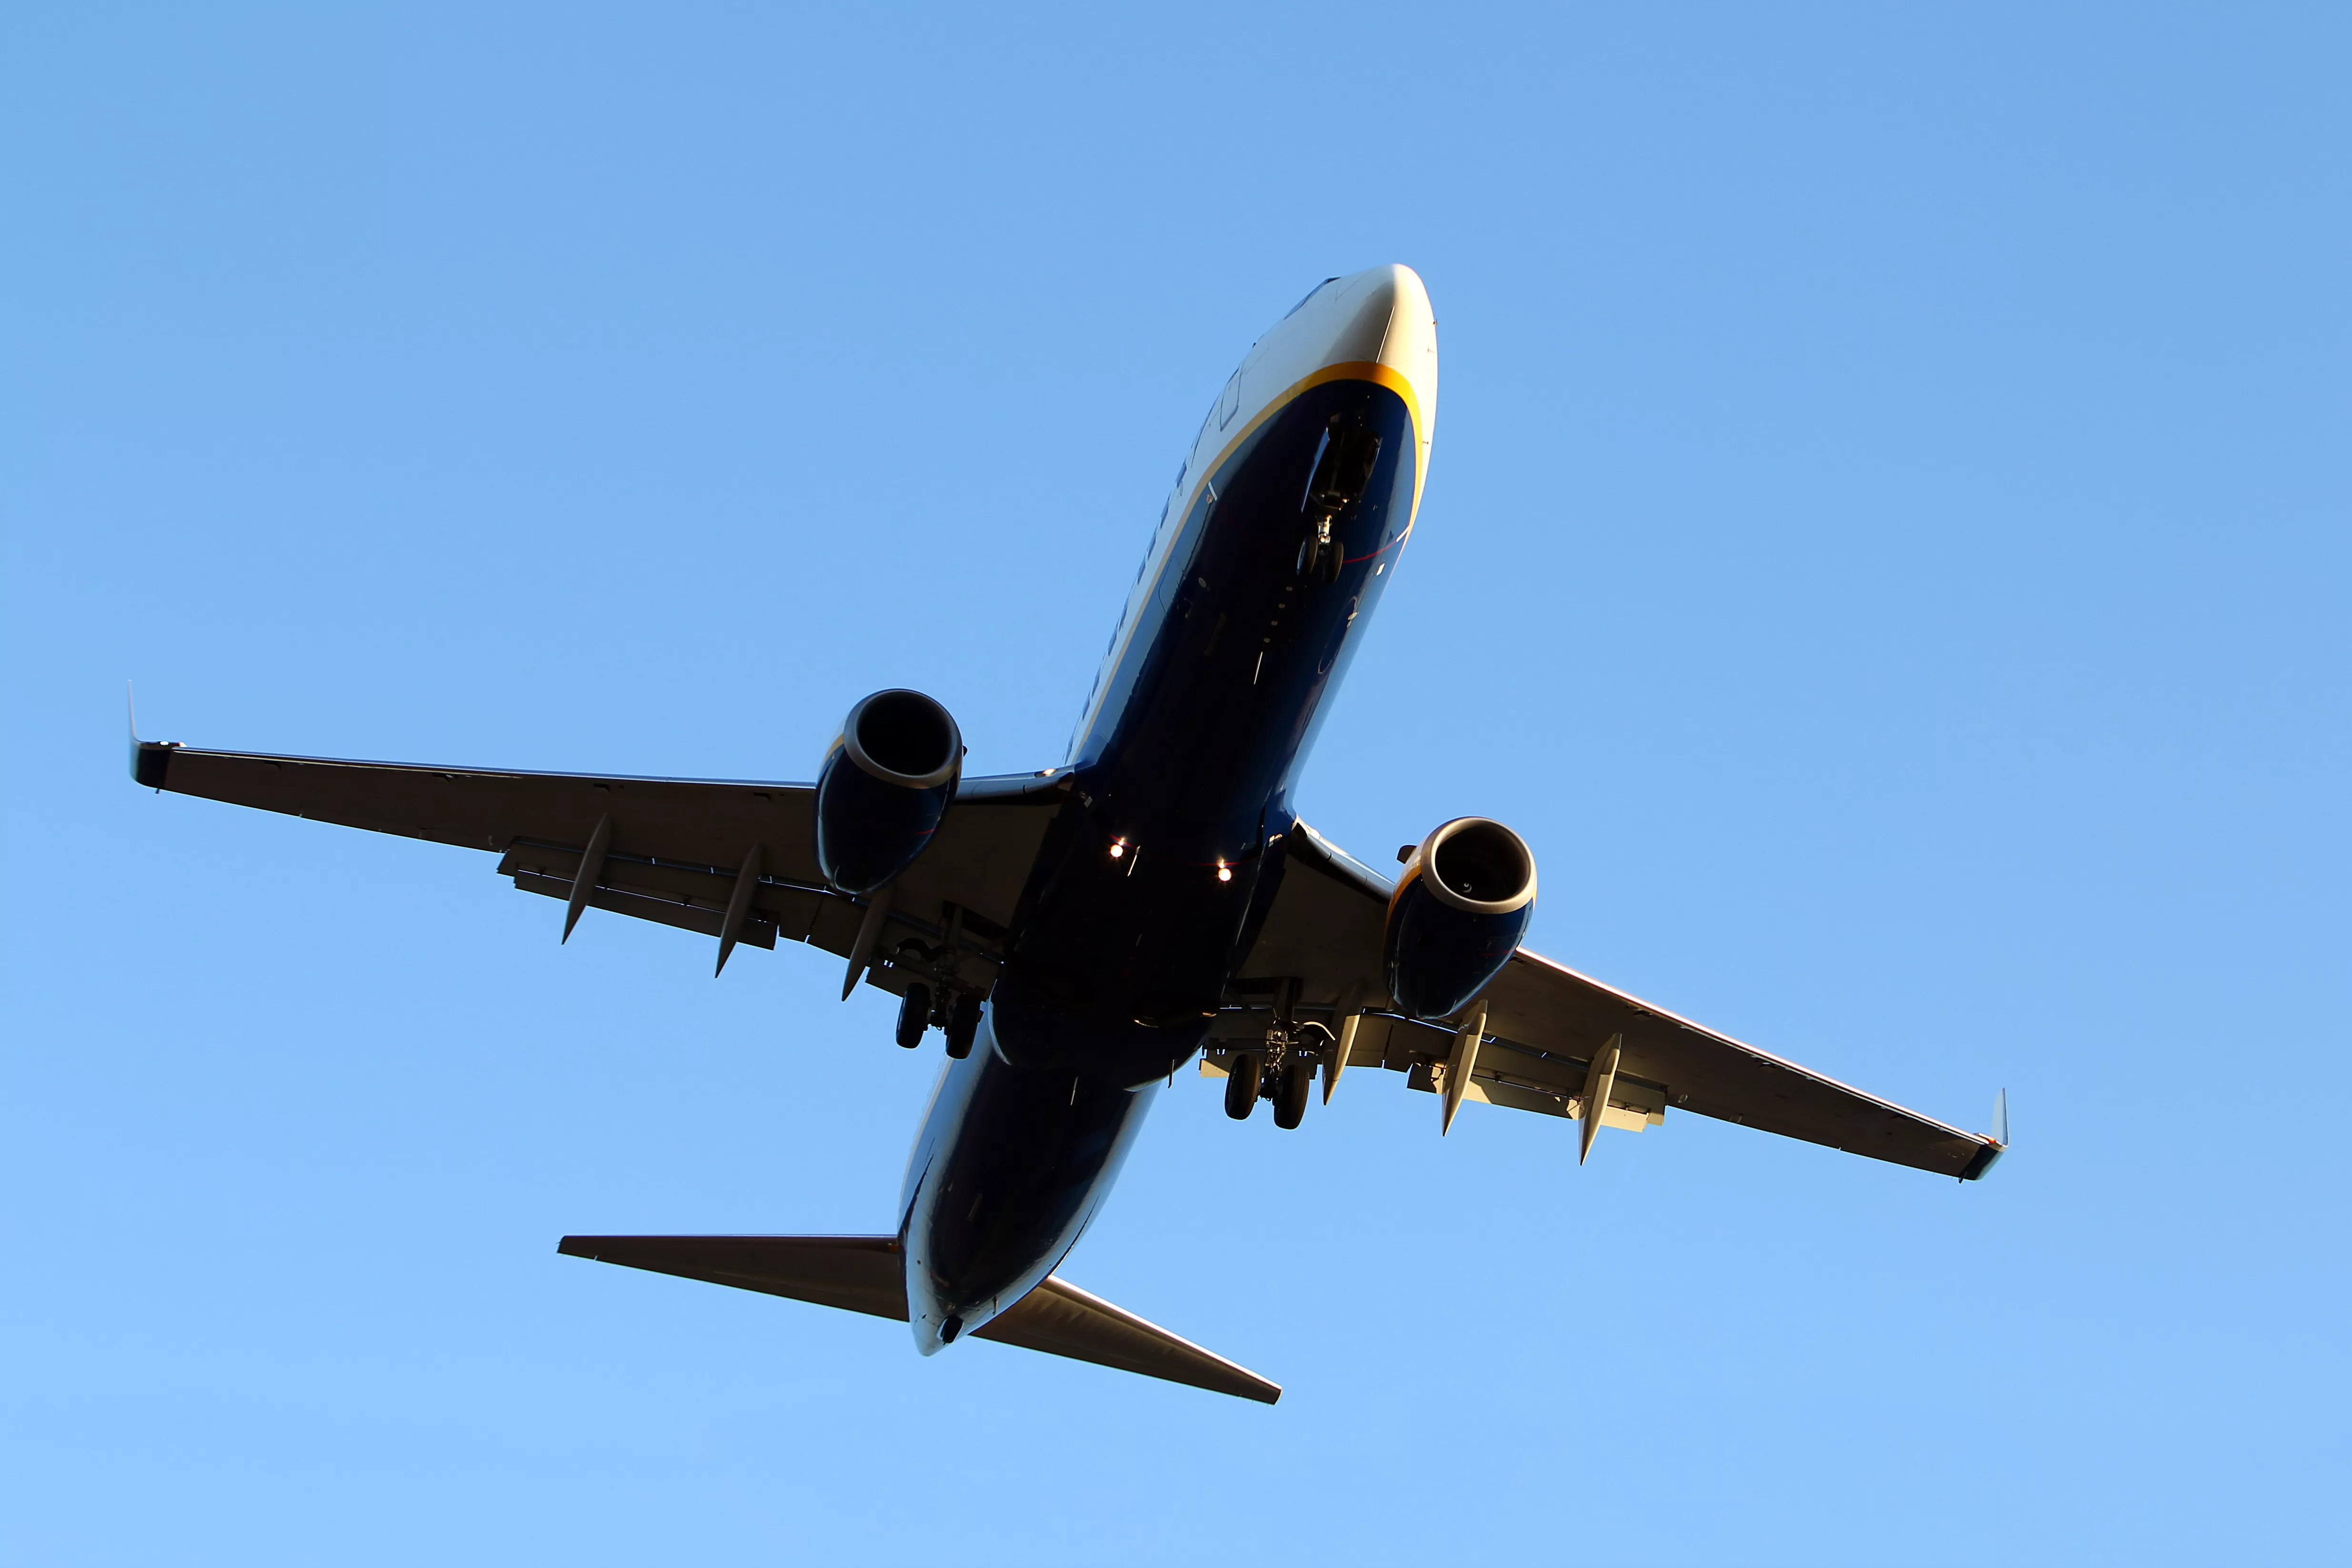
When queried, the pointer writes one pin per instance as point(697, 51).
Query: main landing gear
point(957, 1013)
point(1290, 1089)
point(1245, 1077)
point(936, 994)
point(962, 1024)
point(914, 1015)
point(1284, 1070)
point(1247, 1081)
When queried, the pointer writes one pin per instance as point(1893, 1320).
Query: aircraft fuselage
point(1282, 532)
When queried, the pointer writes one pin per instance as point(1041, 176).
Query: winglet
point(1996, 1142)
point(149, 759)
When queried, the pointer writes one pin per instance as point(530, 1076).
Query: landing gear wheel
point(1320, 560)
point(1243, 1076)
point(1290, 1093)
point(963, 1022)
point(914, 1015)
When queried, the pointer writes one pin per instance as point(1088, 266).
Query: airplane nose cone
point(1382, 316)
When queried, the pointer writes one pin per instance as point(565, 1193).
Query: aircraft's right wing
point(1550, 1031)
point(674, 850)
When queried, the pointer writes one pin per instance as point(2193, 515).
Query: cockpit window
point(1308, 295)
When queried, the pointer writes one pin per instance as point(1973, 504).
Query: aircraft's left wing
point(675, 851)
point(1554, 1039)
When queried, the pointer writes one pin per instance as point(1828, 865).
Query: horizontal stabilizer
point(866, 1274)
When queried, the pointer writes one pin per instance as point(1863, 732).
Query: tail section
point(866, 1274)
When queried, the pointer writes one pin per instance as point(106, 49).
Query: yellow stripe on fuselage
point(1352, 370)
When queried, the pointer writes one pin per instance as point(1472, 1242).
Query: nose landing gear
point(1321, 558)
point(1342, 471)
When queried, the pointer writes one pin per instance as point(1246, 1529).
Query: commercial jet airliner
point(1079, 934)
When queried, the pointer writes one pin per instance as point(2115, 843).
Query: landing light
point(1117, 848)
point(1224, 872)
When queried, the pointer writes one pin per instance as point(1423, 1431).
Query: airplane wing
point(1552, 1034)
point(676, 849)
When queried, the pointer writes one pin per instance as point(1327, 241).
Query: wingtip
point(131, 711)
point(150, 760)
point(1996, 1142)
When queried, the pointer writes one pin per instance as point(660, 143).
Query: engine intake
point(1460, 908)
point(886, 781)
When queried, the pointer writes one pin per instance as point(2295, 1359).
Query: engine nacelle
point(885, 785)
point(1461, 907)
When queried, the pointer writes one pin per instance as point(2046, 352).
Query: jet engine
point(1462, 904)
point(885, 785)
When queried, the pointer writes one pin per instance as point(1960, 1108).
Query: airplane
point(1079, 935)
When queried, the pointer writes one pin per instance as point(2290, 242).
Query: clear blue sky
point(1885, 548)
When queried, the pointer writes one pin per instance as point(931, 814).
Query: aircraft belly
point(1135, 912)
point(1012, 1165)
point(1140, 903)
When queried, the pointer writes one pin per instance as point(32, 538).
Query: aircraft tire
point(1290, 1094)
point(1242, 1083)
point(914, 1015)
point(963, 1024)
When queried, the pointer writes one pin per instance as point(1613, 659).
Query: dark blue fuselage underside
point(1115, 962)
